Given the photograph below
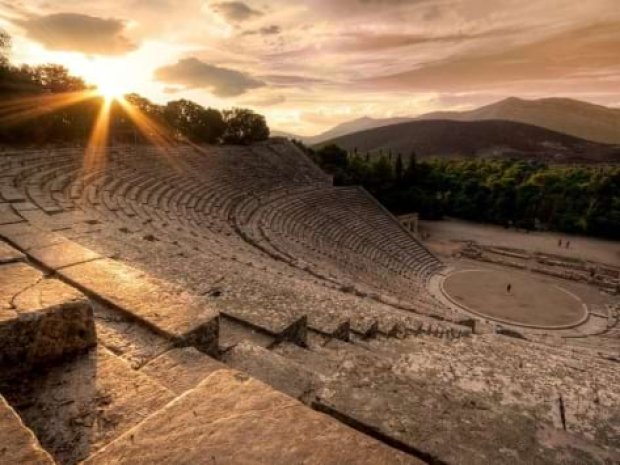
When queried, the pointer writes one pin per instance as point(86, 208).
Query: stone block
point(181, 369)
point(168, 309)
point(232, 419)
point(63, 254)
point(41, 320)
point(79, 406)
point(279, 372)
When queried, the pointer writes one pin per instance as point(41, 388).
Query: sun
point(111, 89)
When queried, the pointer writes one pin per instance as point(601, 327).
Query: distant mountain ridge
point(584, 120)
point(348, 127)
point(478, 139)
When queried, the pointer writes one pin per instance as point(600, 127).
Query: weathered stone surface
point(26, 237)
point(10, 194)
point(283, 374)
point(41, 320)
point(63, 254)
point(170, 310)
point(8, 216)
point(232, 333)
point(79, 406)
point(9, 231)
point(9, 254)
point(181, 369)
point(17, 443)
point(231, 419)
point(135, 343)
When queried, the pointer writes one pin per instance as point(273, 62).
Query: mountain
point(580, 119)
point(478, 139)
point(348, 127)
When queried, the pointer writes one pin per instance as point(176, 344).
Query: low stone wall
point(603, 276)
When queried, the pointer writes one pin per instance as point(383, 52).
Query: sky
point(308, 65)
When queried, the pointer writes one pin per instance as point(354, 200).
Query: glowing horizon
point(308, 65)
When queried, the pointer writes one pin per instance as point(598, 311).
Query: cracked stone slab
point(63, 254)
point(79, 406)
point(41, 320)
point(17, 443)
point(232, 419)
point(9, 254)
point(181, 369)
point(169, 309)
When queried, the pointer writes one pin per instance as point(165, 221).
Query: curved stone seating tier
point(314, 225)
point(251, 204)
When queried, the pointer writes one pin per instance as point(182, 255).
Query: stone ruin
point(229, 305)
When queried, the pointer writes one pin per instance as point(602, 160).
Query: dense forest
point(45, 104)
point(579, 199)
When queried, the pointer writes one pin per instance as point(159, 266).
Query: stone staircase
point(145, 377)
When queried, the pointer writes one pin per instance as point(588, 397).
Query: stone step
point(61, 255)
point(232, 419)
point(279, 372)
point(281, 326)
point(8, 215)
point(181, 369)
point(9, 254)
point(233, 332)
point(77, 407)
point(169, 310)
point(136, 344)
point(18, 445)
point(41, 320)
point(25, 236)
point(433, 419)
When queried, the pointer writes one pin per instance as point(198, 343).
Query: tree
point(243, 127)
point(55, 79)
point(398, 168)
point(195, 122)
point(5, 46)
point(382, 171)
point(410, 173)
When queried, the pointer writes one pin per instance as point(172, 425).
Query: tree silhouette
point(243, 126)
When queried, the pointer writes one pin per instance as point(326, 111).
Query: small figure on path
point(568, 244)
point(559, 242)
point(509, 288)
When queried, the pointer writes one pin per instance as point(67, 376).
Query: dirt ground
point(442, 233)
point(530, 301)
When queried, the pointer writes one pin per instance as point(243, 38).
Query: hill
point(580, 119)
point(574, 117)
point(486, 139)
point(348, 127)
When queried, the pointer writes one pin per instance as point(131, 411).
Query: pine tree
point(398, 168)
point(412, 167)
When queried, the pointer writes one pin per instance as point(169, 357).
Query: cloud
point(267, 101)
point(78, 33)
point(264, 31)
point(365, 42)
point(563, 60)
point(192, 73)
point(235, 11)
